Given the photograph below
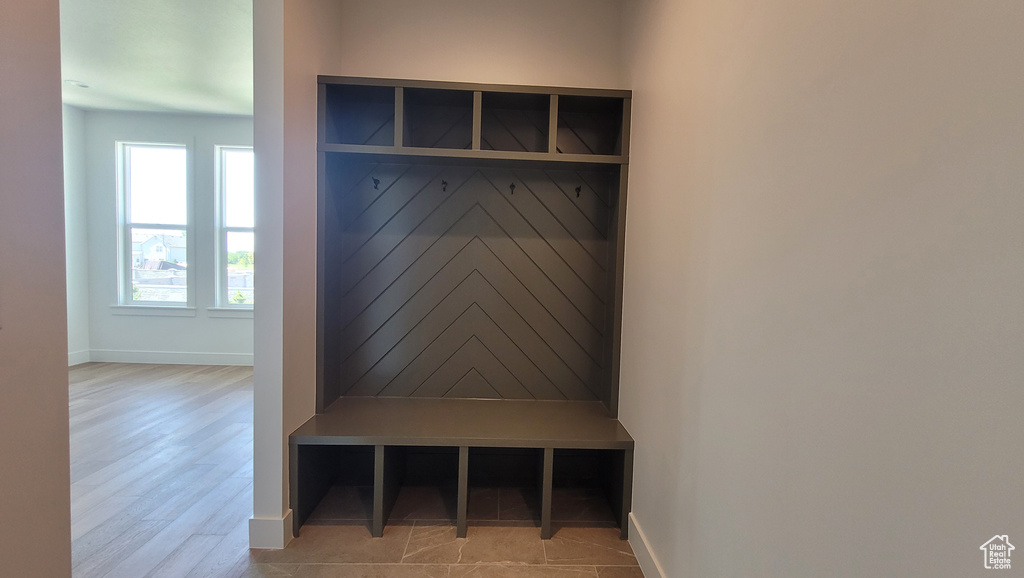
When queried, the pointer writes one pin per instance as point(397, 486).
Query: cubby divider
point(463, 496)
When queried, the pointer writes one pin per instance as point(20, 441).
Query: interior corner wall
point(76, 232)
point(207, 337)
point(823, 314)
point(35, 538)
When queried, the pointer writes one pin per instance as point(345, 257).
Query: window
point(236, 256)
point(154, 232)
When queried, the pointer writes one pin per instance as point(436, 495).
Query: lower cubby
point(505, 485)
point(420, 483)
point(378, 485)
point(381, 460)
point(332, 484)
point(587, 487)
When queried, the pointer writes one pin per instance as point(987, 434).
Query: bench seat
point(390, 424)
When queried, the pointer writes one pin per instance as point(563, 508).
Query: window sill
point(153, 310)
point(229, 312)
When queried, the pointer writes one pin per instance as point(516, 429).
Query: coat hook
point(512, 188)
point(376, 183)
point(444, 185)
point(578, 187)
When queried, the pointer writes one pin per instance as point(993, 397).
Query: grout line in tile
point(407, 542)
point(544, 547)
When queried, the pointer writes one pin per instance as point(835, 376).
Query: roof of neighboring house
point(170, 240)
point(158, 265)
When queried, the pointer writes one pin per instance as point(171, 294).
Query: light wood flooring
point(161, 468)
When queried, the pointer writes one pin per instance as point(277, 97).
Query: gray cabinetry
point(469, 288)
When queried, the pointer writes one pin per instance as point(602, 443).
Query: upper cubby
point(511, 121)
point(589, 125)
point(458, 120)
point(359, 115)
point(437, 118)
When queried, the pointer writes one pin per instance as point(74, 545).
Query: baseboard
point(644, 556)
point(170, 357)
point(274, 533)
point(78, 357)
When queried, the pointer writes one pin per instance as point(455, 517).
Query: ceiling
point(158, 55)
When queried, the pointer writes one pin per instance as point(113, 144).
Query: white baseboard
point(272, 533)
point(644, 556)
point(171, 357)
point(78, 357)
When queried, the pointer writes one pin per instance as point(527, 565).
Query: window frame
point(223, 300)
point(125, 296)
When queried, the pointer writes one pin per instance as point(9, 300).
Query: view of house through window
point(154, 239)
point(236, 256)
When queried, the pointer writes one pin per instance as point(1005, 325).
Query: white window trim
point(237, 312)
point(153, 311)
point(223, 300)
point(126, 305)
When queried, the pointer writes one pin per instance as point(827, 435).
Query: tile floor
point(419, 541)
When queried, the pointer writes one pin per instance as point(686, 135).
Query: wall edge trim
point(641, 548)
point(79, 357)
point(272, 533)
point(170, 357)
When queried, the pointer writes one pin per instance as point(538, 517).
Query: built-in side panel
point(466, 280)
point(623, 470)
point(613, 322)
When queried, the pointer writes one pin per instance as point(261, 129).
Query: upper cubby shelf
point(413, 118)
point(511, 121)
point(589, 125)
point(358, 115)
point(437, 118)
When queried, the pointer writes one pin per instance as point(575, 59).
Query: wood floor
point(161, 468)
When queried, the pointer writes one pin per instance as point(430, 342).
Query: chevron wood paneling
point(465, 281)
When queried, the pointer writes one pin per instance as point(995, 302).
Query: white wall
point(824, 315)
point(76, 229)
point(35, 535)
point(564, 43)
point(206, 337)
point(270, 526)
